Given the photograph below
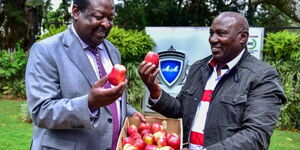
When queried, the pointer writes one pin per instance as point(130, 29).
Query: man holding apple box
point(230, 100)
point(74, 103)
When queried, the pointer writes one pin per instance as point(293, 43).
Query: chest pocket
point(233, 107)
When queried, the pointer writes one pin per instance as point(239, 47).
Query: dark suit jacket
point(244, 108)
point(58, 79)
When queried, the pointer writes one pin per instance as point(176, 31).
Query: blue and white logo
point(171, 65)
point(171, 70)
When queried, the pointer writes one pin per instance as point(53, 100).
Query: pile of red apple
point(150, 137)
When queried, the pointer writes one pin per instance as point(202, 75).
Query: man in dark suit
point(72, 104)
point(230, 100)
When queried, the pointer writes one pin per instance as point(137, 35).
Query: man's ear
point(75, 12)
point(244, 37)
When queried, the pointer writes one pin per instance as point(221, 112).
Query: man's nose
point(213, 39)
point(106, 23)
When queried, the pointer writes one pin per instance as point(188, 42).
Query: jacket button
point(109, 120)
point(234, 101)
point(108, 149)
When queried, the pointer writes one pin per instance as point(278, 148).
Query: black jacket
point(244, 108)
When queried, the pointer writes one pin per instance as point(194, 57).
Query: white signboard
point(194, 40)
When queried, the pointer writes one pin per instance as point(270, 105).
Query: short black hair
point(81, 4)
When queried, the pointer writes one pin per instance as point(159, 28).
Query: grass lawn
point(285, 140)
point(16, 135)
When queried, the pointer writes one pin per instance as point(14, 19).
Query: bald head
point(234, 18)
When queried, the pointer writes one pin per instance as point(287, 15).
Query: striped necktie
point(113, 106)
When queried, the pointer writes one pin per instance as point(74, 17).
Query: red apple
point(159, 134)
point(135, 136)
point(129, 147)
point(166, 148)
point(131, 129)
point(148, 138)
point(144, 125)
point(153, 58)
point(144, 132)
point(151, 147)
point(156, 127)
point(117, 75)
point(126, 140)
point(139, 144)
point(171, 134)
point(174, 141)
point(162, 141)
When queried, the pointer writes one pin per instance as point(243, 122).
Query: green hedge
point(282, 50)
point(132, 44)
point(12, 71)
point(282, 45)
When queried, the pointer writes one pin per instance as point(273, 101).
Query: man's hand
point(100, 96)
point(148, 73)
point(139, 115)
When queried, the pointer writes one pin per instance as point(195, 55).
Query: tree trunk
point(289, 7)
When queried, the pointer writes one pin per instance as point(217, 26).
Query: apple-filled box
point(158, 133)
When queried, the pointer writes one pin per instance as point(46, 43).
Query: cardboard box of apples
point(157, 133)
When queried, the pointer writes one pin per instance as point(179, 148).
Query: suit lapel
point(77, 55)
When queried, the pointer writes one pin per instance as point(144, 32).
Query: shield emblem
point(170, 70)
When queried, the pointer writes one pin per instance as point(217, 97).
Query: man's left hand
point(139, 115)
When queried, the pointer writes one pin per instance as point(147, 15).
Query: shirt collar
point(230, 64)
point(83, 44)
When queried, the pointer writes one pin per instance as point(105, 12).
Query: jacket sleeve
point(47, 108)
point(265, 97)
point(168, 106)
point(130, 110)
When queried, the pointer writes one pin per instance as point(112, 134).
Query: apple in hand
point(153, 58)
point(174, 140)
point(117, 74)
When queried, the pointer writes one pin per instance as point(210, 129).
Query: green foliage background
point(12, 71)
point(132, 44)
point(282, 50)
point(283, 45)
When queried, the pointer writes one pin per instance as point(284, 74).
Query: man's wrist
point(155, 95)
point(155, 92)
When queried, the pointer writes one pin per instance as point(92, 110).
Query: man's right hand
point(148, 73)
point(100, 96)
